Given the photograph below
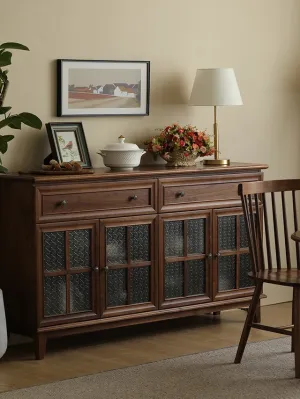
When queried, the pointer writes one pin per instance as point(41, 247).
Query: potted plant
point(180, 145)
point(14, 121)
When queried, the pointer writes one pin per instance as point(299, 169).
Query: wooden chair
point(268, 218)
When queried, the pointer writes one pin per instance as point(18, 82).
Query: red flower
point(182, 143)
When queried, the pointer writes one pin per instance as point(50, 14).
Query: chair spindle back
point(270, 211)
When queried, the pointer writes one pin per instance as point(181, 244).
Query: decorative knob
point(121, 139)
point(96, 268)
point(106, 268)
point(180, 194)
point(133, 197)
point(217, 255)
point(62, 203)
point(209, 256)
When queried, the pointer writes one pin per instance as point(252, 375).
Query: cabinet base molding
point(117, 322)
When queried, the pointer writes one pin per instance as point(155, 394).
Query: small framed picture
point(94, 88)
point(67, 141)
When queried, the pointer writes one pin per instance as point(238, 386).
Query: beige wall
point(259, 38)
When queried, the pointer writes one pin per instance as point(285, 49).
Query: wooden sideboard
point(90, 252)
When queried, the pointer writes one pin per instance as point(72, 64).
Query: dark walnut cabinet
point(90, 252)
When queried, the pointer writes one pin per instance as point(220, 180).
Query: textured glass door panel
point(55, 296)
point(227, 232)
point(139, 243)
point(80, 248)
point(245, 268)
point(117, 287)
point(116, 245)
point(174, 280)
point(243, 233)
point(196, 236)
point(174, 238)
point(80, 292)
point(196, 277)
point(227, 272)
point(54, 251)
point(140, 284)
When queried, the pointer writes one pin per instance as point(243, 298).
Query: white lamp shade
point(215, 86)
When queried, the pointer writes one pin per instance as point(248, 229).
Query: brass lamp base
point(216, 162)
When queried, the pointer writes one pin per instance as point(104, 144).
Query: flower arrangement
point(185, 143)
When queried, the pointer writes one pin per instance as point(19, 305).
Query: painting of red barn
point(95, 88)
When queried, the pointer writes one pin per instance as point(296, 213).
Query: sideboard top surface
point(142, 171)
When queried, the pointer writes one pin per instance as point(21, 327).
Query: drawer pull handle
point(62, 203)
point(133, 197)
point(180, 194)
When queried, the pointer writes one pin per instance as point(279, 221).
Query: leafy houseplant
point(14, 121)
point(180, 145)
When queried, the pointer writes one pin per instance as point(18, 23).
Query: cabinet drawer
point(192, 193)
point(107, 199)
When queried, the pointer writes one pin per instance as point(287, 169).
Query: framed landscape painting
point(93, 88)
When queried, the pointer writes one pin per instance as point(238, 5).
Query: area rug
point(267, 371)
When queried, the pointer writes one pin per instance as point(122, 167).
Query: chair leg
point(293, 321)
point(296, 330)
point(248, 322)
point(257, 316)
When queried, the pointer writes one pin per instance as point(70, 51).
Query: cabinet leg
point(40, 346)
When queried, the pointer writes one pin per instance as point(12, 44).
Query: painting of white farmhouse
point(103, 87)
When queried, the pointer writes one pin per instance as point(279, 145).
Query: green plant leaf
point(7, 137)
point(31, 120)
point(4, 110)
point(3, 169)
point(5, 58)
point(3, 143)
point(3, 146)
point(8, 120)
point(16, 124)
point(13, 46)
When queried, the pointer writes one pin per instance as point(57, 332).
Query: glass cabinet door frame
point(207, 257)
point(237, 292)
point(66, 227)
point(152, 263)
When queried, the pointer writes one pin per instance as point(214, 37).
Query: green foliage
point(12, 121)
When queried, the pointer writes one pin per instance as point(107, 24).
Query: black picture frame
point(78, 152)
point(109, 76)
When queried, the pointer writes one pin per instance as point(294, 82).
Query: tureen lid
point(121, 145)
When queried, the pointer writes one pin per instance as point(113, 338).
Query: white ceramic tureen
point(121, 156)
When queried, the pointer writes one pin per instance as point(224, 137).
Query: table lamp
point(215, 87)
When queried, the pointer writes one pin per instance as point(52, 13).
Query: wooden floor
point(92, 353)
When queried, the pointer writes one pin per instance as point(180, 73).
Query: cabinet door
point(128, 265)
point(231, 255)
point(69, 272)
point(185, 259)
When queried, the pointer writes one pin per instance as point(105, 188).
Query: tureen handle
point(101, 153)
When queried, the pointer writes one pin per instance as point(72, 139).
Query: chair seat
point(281, 277)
